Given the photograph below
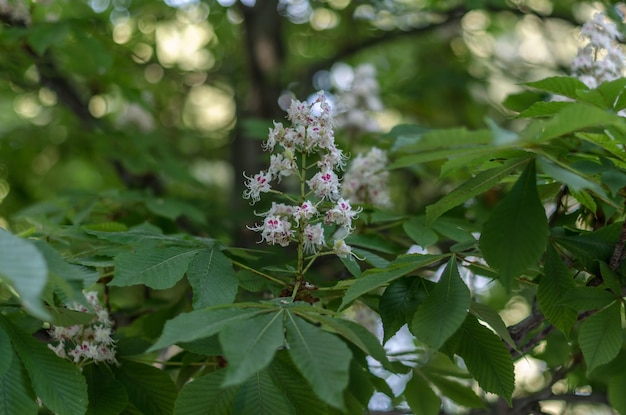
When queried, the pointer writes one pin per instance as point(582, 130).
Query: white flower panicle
point(89, 342)
point(602, 59)
point(310, 138)
point(366, 180)
point(359, 100)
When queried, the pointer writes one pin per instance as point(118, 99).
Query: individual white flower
point(313, 238)
point(280, 209)
point(357, 101)
point(275, 230)
point(325, 184)
point(281, 166)
point(342, 214)
point(305, 211)
point(276, 135)
point(342, 249)
point(259, 183)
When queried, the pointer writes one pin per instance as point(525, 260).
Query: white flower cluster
point(602, 59)
point(356, 102)
point(310, 136)
point(83, 343)
point(366, 179)
point(15, 11)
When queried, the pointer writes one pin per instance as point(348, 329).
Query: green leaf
point(249, 345)
point(442, 154)
point(149, 389)
point(587, 298)
point(25, 268)
point(544, 109)
point(260, 396)
point(376, 278)
point(157, 268)
point(107, 396)
point(59, 266)
point(515, 234)
point(399, 303)
point(16, 394)
point(356, 334)
point(205, 396)
point(589, 247)
point(573, 180)
point(417, 230)
point(451, 137)
point(486, 358)
point(612, 90)
point(321, 357)
point(455, 391)
point(293, 385)
point(445, 309)
point(45, 34)
point(576, 117)
point(58, 383)
point(554, 285)
point(6, 351)
point(421, 398)
point(560, 85)
point(600, 336)
point(615, 392)
point(212, 278)
point(492, 318)
point(610, 278)
point(478, 184)
point(173, 209)
point(198, 324)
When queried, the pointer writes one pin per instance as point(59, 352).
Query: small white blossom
point(259, 183)
point(325, 184)
point(281, 166)
point(342, 214)
point(275, 230)
point(366, 180)
point(313, 238)
point(305, 211)
point(342, 249)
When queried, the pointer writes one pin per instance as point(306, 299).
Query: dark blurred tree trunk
point(264, 50)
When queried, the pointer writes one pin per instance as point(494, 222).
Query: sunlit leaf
point(559, 85)
point(421, 398)
point(212, 278)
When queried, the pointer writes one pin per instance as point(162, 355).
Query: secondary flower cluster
point(602, 59)
point(356, 102)
point(366, 180)
point(90, 342)
point(309, 138)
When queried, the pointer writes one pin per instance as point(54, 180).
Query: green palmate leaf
point(616, 388)
point(205, 396)
point(544, 109)
point(492, 318)
point(375, 260)
point(399, 303)
point(249, 345)
point(482, 182)
point(418, 231)
point(107, 396)
point(611, 90)
point(201, 323)
point(6, 351)
point(553, 287)
point(321, 357)
point(157, 268)
point(260, 396)
point(421, 398)
point(286, 377)
point(377, 278)
point(373, 242)
point(561, 85)
point(16, 394)
point(515, 234)
point(173, 209)
point(443, 312)
point(600, 336)
point(611, 279)
point(486, 358)
point(356, 334)
point(457, 392)
point(58, 383)
point(212, 278)
point(576, 117)
point(149, 389)
point(587, 298)
point(69, 272)
point(604, 142)
point(25, 268)
point(586, 200)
